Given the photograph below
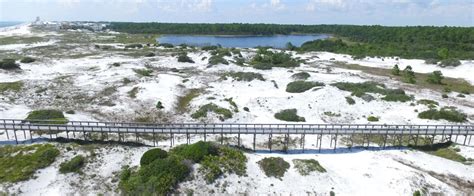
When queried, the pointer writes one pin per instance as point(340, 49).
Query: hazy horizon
point(307, 12)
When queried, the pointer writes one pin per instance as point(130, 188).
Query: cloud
point(277, 5)
point(185, 5)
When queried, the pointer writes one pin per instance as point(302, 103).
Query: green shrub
point(228, 160)
point(246, 109)
point(274, 166)
point(301, 86)
point(265, 59)
point(133, 46)
point(350, 101)
point(435, 78)
point(159, 105)
point(232, 103)
point(431, 61)
point(184, 58)
point(70, 112)
point(116, 64)
point(133, 93)
point(450, 62)
point(215, 59)
point(18, 163)
point(9, 64)
point(157, 178)
point(143, 72)
point(444, 96)
point(73, 165)
point(306, 166)
point(372, 119)
point(210, 107)
point(446, 113)
point(396, 70)
point(461, 95)
point(289, 115)
point(195, 152)
point(207, 48)
point(151, 155)
point(11, 86)
point(409, 75)
point(301, 76)
point(427, 102)
point(244, 76)
point(27, 60)
point(360, 89)
point(150, 54)
point(52, 116)
point(166, 45)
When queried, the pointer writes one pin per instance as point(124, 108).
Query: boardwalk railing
point(234, 128)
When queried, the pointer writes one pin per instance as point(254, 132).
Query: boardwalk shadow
point(342, 150)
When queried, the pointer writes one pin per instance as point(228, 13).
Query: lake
point(275, 41)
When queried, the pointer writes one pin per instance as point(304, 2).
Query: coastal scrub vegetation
point(161, 174)
point(289, 115)
point(49, 115)
point(9, 64)
point(73, 165)
point(266, 59)
point(18, 163)
point(223, 113)
point(11, 86)
point(301, 86)
point(274, 166)
point(306, 166)
point(446, 113)
point(361, 89)
point(243, 76)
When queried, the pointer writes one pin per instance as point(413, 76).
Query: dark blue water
point(275, 41)
point(7, 24)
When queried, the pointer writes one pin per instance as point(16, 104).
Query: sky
point(359, 12)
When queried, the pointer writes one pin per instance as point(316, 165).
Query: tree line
point(408, 42)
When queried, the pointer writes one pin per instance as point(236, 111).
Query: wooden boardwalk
point(335, 130)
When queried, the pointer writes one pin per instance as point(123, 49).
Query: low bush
point(11, 86)
point(51, 116)
point(73, 165)
point(27, 60)
point(444, 96)
point(195, 152)
point(18, 163)
point(215, 59)
point(446, 113)
point(265, 59)
point(450, 63)
point(184, 58)
point(301, 86)
point(159, 105)
point(151, 155)
point(116, 64)
point(350, 101)
point(143, 72)
point(274, 166)
point(244, 76)
point(427, 102)
point(435, 78)
point(373, 119)
point(228, 160)
point(246, 109)
point(444, 150)
point(301, 76)
point(9, 64)
point(133, 46)
point(289, 115)
point(306, 166)
point(207, 48)
point(431, 61)
point(396, 70)
point(210, 107)
point(360, 89)
point(232, 103)
point(166, 45)
point(157, 178)
point(150, 54)
point(133, 93)
point(409, 75)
